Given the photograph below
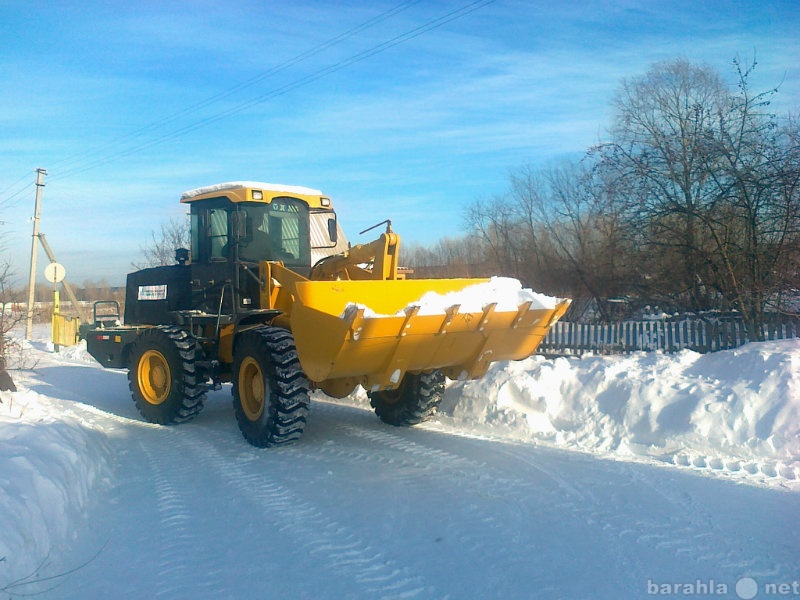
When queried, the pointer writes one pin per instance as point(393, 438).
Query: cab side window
point(209, 234)
point(218, 234)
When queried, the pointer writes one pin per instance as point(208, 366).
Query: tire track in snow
point(461, 502)
point(164, 540)
point(418, 466)
point(527, 497)
point(415, 465)
point(576, 501)
point(633, 507)
point(690, 533)
point(342, 551)
point(613, 509)
point(459, 482)
point(178, 533)
point(474, 476)
point(172, 455)
point(759, 472)
point(700, 537)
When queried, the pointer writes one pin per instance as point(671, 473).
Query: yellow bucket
point(384, 336)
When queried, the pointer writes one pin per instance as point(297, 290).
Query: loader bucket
point(376, 341)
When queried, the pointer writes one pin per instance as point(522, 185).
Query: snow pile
point(260, 185)
point(506, 292)
point(49, 464)
point(76, 353)
point(736, 410)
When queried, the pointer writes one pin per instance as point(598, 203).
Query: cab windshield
point(276, 231)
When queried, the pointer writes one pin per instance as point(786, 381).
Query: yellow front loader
point(272, 298)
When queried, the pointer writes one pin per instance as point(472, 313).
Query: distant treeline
point(692, 204)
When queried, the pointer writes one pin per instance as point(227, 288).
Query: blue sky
point(128, 104)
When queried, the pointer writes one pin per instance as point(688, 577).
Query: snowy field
point(603, 477)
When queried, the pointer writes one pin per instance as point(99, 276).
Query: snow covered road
point(358, 509)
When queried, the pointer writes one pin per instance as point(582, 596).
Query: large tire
point(162, 377)
point(270, 390)
point(413, 402)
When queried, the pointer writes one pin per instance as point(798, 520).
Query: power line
point(281, 90)
point(241, 86)
point(22, 178)
point(12, 186)
point(319, 74)
point(8, 199)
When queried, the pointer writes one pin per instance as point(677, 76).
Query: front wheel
point(413, 402)
point(270, 390)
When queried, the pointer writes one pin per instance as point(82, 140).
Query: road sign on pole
point(55, 272)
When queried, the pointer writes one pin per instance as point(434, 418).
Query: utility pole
point(40, 173)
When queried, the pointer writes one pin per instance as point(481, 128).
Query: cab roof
point(257, 191)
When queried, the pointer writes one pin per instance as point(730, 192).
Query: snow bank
point(735, 412)
point(732, 410)
point(506, 292)
point(49, 464)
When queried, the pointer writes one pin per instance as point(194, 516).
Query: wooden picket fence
point(699, 335)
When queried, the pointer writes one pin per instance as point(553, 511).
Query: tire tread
point(288, 404)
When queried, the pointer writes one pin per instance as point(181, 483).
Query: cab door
point(212, 257)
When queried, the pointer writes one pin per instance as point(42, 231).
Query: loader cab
point(235, 227)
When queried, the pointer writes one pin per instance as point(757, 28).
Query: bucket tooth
point(449, 314)
point(411, 312)
point(521, 312)
point(488, 311)
point(354, 319)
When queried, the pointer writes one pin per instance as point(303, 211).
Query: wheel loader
point(271, 298)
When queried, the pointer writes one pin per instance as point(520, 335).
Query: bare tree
point(756, 227)
point(459, 257)
point(160, 250)
point(573, 232)
point(12, 313)
point(659, 154)
point(496, 223)
point(92, 291)
point(709, 184)
point(527, 195)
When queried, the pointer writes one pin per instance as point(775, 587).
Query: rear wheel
point(413, 402)
point(162, 376)
point(270, 390)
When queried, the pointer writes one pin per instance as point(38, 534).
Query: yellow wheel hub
point(251, 388)
point(154, 377)
point(394, 396)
